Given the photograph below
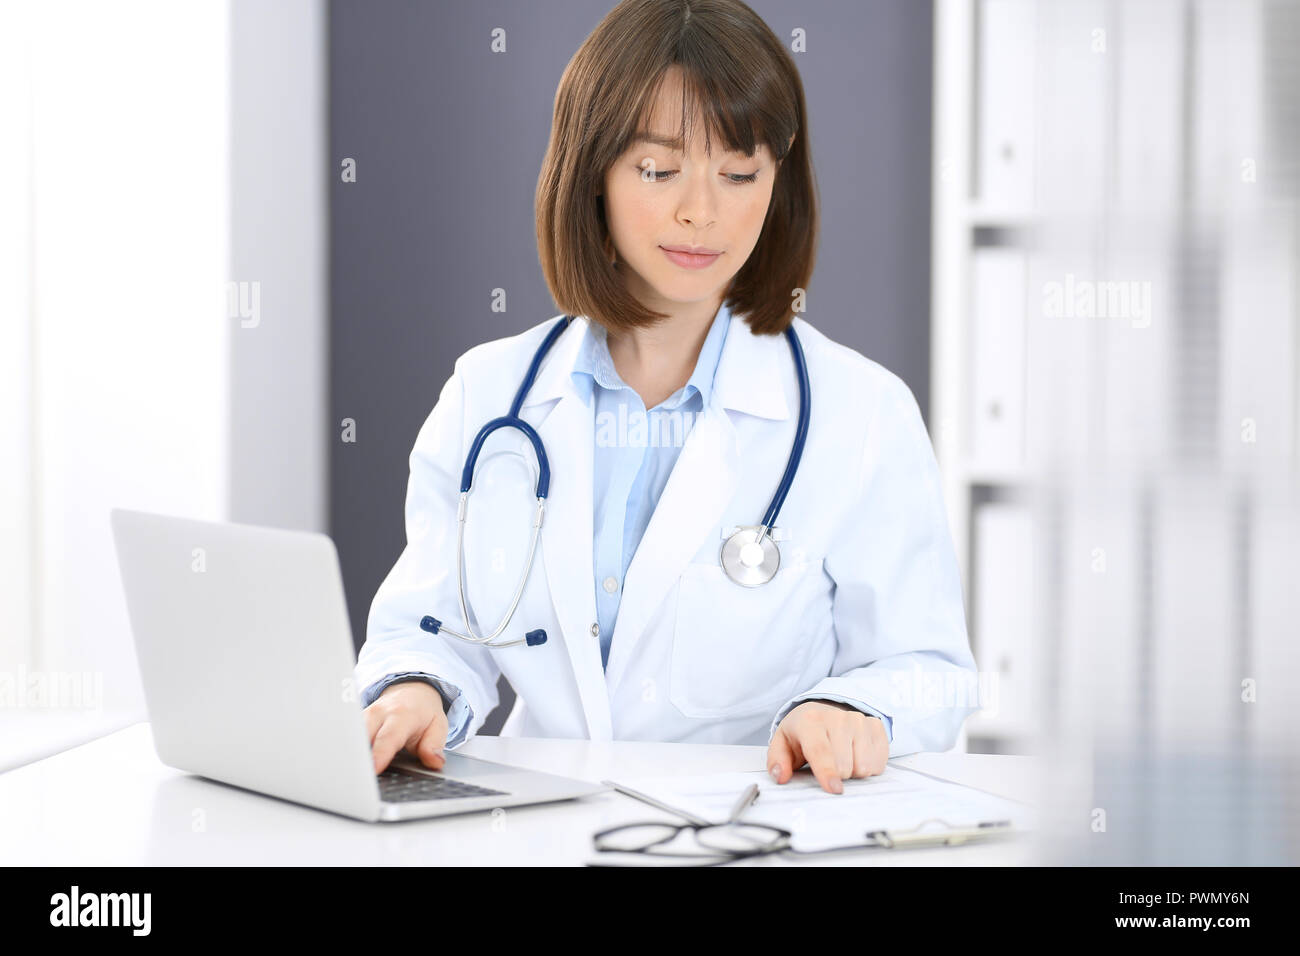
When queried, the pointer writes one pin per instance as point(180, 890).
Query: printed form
point(898, 800)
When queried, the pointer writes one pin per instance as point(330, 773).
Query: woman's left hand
point(835, 740)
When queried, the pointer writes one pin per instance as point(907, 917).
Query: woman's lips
point(688, 261)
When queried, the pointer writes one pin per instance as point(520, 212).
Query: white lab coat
point(866, 607)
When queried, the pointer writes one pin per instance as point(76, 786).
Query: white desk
point(111, 802)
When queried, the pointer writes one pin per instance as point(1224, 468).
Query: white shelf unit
point(1132, 133)
point(960, 214)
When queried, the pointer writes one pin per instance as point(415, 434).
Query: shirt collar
point(594, 364)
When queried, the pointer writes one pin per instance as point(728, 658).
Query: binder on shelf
point(1003, 638)
point(997, 355)
point(1005, 105)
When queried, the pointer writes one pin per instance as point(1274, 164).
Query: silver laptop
point(246, 657)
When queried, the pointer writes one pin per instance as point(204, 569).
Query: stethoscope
point(749, 557)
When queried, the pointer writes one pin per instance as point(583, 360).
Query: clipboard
point(934, 831)
point(918, 836)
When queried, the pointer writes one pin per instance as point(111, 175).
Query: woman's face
point(656, 197)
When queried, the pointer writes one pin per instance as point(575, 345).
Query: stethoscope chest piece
point(750, 556)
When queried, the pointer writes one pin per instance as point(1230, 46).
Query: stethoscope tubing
point(800, 434)
point(512, 420)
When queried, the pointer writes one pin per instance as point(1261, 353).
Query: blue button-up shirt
point(636, 449)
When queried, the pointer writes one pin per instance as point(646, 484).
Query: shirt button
point(611, 585)
point(595, 629)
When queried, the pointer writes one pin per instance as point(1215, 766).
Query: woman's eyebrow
point(669, 142)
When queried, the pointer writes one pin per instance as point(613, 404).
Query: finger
point(783, 756)
point(842, 737)
point(879, 754)
point(373, 720)
point(430, 745)
point(862, 751)
point(822, 761)
point(374, 716)
point(388, 740)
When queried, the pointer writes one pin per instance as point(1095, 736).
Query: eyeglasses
point(692, 844)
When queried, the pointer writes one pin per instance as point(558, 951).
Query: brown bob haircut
point(741, 79)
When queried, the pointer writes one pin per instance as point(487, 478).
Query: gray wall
point(279, 233)
point(448, 139)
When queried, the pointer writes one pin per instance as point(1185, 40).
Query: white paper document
point(897, 800)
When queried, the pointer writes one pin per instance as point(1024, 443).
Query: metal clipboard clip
point(952, 836)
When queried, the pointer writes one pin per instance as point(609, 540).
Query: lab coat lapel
point(702, 484)
point(568, 434)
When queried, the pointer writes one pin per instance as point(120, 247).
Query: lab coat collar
point(747, 380)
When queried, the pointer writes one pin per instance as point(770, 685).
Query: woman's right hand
point(407, 714)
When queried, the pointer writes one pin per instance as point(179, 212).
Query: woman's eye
point(735, 178)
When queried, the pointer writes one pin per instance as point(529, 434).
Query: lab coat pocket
point(739, 650)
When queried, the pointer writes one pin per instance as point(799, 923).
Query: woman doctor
point(667, 409)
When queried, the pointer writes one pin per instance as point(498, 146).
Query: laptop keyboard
point(398, 787)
